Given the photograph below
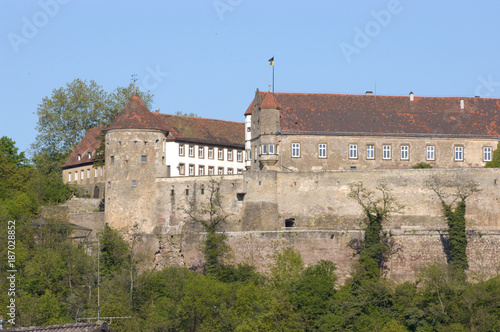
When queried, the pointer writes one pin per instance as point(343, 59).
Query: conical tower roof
point(136, 116)
point(270, 101)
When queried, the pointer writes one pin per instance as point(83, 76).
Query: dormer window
point(90, 155)
point(79, 157)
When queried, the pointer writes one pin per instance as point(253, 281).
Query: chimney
point(369, 93)
point(462, 104)
point(411, 96)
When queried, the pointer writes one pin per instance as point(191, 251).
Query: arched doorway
point(96, 192)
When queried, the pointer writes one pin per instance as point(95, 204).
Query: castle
point(285, 174)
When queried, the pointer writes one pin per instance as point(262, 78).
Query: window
point(201, 170)
point(210, 170)
point(430, 152)
point(322, 150)
point(181, 149)
point(191, 151)
point(191, 169)
point(386, 152)
point(486, 154)
point(76, 176)
point(135, 142)
point(112, 159)
point(144, 159)
point(295, 150)
point(210, 153)
point(240, 171)
point(405, 152)
point(220, 171)
point(370, 151)
point(95, 172)
point(134, 183)
point(229, 171)
point(201, 150)
point(271, 148)
point(82, 174)
point(182, 170)
point(459, 153)
point(264, 149)
point(88, 173)
point(69, 176)
point(102, 170)
point(230, 155)
point(249, 129)
point(221, 154)
point(90, 155)
point(239, 155)
point(353, 151)
point(249, 154)
point(79, 157)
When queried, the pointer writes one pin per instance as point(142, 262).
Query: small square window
point(370, 151)
point(295, 150)
point(405, 154)
point(353, 151)
point(134, 183)
point(240, 171)
point(459, 153)
point(322, 150)
point(386, 152)
point(271, 149)
point(487, 153)
point(430, 152)
point(144, 159)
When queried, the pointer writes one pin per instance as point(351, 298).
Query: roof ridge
point(197, 117)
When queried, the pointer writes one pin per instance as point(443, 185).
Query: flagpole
point(273, 78)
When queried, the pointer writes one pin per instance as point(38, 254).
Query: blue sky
point(208, 57)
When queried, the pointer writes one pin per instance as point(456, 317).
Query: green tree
point(453, 194)
point(495, 160)
point(211, 216)
point(376, 210)
point(10, 151)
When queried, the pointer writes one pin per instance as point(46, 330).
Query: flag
point(271, 61)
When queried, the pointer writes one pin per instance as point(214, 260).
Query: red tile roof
point(388, 115)
point(205, 131)
point(270, 101)
point(180, 127)
point(135, 116)
point(89, 143)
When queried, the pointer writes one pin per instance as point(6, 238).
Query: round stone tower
point(135, 157)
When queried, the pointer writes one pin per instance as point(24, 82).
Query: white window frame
point(271, 148)
point(181, 149)
point(220, 171)
point(210, 170)
point(370, 151)
point(264, 148)
point(76, 175)
point(229, 171)
point(201, 152)
point(220, 155)
point(353, 151)
point(191, 151)
point(405, 152)
point(487, 153)
point(430, 152)
point(191, 169)
point(69, 176)
point(201, 170)
point(322, 150)
point(82, 174)
point(210, 153)
point(230, 155)
point(386, 152)
point(459, 153)
point(295, 150)
point(239, 156)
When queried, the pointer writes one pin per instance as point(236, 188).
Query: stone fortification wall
point(326, 223)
